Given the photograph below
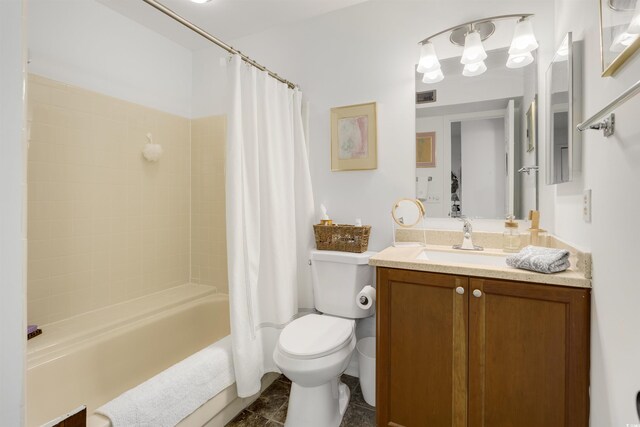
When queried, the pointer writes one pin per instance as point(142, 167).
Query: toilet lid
point(315, 335)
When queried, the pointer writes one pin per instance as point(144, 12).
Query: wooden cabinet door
point(422, 349)
point(528, 355)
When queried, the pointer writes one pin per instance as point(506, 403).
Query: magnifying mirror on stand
point(407, 214)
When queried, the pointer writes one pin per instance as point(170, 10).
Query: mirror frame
point(611, 68)
point(574, 137)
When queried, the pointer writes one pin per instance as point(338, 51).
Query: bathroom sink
point(461, 257)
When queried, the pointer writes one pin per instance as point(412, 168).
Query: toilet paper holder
point(366, 298)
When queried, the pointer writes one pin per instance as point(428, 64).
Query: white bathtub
point(91, 359)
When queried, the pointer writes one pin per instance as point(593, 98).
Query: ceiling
point(225, 19)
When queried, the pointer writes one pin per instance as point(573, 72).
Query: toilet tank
point(337, 279)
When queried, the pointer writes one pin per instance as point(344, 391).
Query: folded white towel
point(175, 393)
point(542, 260)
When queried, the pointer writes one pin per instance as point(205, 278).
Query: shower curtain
point(269, 207)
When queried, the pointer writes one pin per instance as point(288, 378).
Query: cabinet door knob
point(460, 290)
point(477, 293)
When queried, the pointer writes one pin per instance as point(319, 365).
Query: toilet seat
point(313, 336)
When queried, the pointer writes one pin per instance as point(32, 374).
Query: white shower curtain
point(269, 206)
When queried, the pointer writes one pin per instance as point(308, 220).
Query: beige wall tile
point(104, 225)
point(91, 195)
point(208, 228)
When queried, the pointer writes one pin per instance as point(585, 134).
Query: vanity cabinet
point(464, 351)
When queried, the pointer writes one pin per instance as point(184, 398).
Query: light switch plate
point(586, 205)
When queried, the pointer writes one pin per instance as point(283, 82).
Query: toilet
point(314, 350)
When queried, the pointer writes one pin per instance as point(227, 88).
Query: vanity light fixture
point(470, 35)
point(433, 77)
point(200, 1)
point(473, 50)
point(623, 40)
point(523, 39)
point(472, 70)
point(519, 61)
point(428, 59)
point(634, 26)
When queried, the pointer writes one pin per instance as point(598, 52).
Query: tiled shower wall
point(208, 232)
point(104, 225)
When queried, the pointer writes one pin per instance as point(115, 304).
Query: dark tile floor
point(270, 410)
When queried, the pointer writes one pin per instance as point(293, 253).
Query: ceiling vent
point(426, 97)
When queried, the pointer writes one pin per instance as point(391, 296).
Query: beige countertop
point(406, 258)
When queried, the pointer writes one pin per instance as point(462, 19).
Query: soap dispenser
point(511, 236)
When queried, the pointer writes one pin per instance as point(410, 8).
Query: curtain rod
point(171, 14)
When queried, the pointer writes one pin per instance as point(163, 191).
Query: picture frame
point(425, 150)
point(354, 137)
point(616, 45)
point(532, 126)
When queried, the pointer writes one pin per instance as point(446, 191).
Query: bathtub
point(92, 358)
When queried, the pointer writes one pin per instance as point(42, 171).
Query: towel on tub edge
point(542, 260)
point(175, 393)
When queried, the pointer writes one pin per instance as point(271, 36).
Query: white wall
point(611, 168)
point(368, 53)
point(86, 44)
point(208, 82)
point(12, 214)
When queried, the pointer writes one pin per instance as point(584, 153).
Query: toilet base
point(320, 406)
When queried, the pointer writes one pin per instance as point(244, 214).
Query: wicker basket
point(342, 237)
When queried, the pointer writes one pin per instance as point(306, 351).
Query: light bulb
point(428, 59)
point(473, 49)
point(523, 39)
point(472, 70)
point(519, 61)
point(433, 77)
point(634, 26)
point(622, 41)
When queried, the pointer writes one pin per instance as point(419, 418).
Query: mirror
point(476, 140)
point(563, 114)
point(407, 212)
point(619, 33)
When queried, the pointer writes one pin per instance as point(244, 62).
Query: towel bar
point(607, 124)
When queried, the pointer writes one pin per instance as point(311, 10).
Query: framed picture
point(426, 150)
point(532, 125)
point(354, 137)
point(619, 33)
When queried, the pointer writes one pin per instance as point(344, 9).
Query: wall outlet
point(433, 199)
point(586, 205)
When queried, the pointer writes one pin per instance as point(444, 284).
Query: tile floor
point(270, 410)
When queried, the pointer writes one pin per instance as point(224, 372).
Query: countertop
point(406, 258)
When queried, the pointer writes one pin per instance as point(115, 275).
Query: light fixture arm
point(471, 24)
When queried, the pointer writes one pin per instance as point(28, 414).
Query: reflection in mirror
point(564, 107)
point(476, 143)
point(619, 33)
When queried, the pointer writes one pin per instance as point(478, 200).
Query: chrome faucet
point(467, 242)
